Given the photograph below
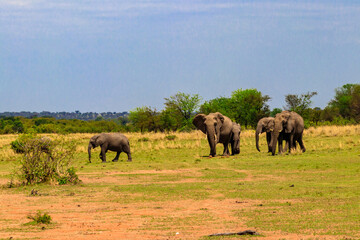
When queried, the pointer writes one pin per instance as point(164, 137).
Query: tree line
point(66, 115)
point(243, 106)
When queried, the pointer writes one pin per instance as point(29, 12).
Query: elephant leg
point(268, 140)
point(129, 156)
point(213, 151)
point(103, 154)
point(301, 143)
point(232, 145)
point(286, 148)
point(280, 143)
point(116, 157)
point(226, 149)
point(291, 142)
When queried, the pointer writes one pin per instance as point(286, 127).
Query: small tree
point(185, 105)
point(299, 103)
point(315, 115)
point(44, 160)
point(275, 111)
point(145, 119)
point(170, 120)
point(355, 102)
point(249, 106)
point(347, 101)
point(221, 104)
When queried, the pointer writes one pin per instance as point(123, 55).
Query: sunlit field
point(173, 190)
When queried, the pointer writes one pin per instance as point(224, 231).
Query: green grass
point(316, 193)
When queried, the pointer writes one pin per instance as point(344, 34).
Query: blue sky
point(99, 56)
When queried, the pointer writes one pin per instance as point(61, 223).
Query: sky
point(116, 55)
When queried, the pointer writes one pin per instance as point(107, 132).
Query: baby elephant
point(116, 142)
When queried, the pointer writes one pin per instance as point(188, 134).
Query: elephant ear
point(199, 122)
point(220, 116)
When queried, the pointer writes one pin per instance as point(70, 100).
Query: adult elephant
point(116, 142)
point(265, 124)
point(291, 125)
point(219, 129)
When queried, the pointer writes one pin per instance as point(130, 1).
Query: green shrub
point(69, 178)
point(170, 137)
point(39, 218)
point(144, 139)
point(17, 146)
point(44, 160)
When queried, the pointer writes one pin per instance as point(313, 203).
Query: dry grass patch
point(333, 131)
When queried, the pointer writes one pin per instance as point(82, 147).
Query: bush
point(45, 160)
point(17, 146)
point(39, 218)
point(143, 139)
point(69, 177)
point(27, 141)
point(170, 137)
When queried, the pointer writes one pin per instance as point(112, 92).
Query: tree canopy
point(347, 101)
point(299, 103)
point(249, 106)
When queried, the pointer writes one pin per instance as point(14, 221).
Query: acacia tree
point(183, 105)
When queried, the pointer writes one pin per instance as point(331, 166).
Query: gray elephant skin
point(116, 142)
point(291, 125)
point(266, 125)
point(235, 138)
point(219, 129)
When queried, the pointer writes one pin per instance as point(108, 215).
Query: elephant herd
point(285, 126)
point(288, 126)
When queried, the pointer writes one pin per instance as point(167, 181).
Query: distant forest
point(67, 115)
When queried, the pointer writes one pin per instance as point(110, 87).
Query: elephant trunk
point(257, 133)
point(89, 151)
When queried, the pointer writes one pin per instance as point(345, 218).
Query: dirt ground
point(90, 217)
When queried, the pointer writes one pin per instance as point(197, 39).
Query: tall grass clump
point(44, 159)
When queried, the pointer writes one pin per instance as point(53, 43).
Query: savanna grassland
point(173, 190)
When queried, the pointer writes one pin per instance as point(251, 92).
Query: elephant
point(116, 142)
point(291, 125)
point(265, 124)
point(235, 138)
point(219, 129)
